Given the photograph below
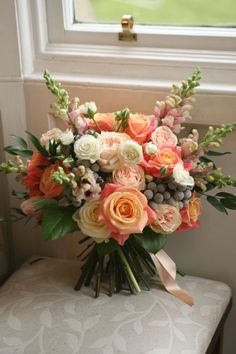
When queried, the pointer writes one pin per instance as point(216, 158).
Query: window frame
point(91, 53)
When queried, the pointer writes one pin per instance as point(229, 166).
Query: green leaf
point(35, 141)
point(226, 195)
point(19, 195)
point(229, 203)
point(2, 219)
point(14, 150)
point(47, 202)
point(217, 204)
point(18, 211)
point(106, 247)
point(150, 240)
point(20, 141)
point(57, 222)
point(217, 153)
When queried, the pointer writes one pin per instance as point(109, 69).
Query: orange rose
point(140, 127)
point(190, 214)
point(105, 121)
point(168, 157)
point(34, 174)
point(47, 186)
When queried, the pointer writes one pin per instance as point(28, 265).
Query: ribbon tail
point(167, 272)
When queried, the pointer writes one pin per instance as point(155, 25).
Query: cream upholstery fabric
point(41, 313)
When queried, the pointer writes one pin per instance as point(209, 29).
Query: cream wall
point(209, 251)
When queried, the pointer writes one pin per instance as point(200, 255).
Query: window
point(171, 12)
point(91, 52)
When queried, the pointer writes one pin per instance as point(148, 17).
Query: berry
point(149, 194)
point(166, 195)
point(187, 194)
point(179, 195)
point(95, 167)
point(181, 205)
point(172, 186)
point(158, 198)
point(172, 202)
point(161, 188)
point(151, 185)
point(181, 188)
point(153, 205)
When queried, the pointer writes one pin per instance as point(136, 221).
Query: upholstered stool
point(41, 313)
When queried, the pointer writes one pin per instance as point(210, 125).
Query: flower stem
point(128, 270)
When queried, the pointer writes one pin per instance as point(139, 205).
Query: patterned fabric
point(41, 313)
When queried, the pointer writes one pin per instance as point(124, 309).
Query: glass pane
point(171, 12)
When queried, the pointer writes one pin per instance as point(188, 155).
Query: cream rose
point(163, 136)
point(89, 223)
point(67, 137)
point(181, 176)
point(168, 219)
point(53, 134)
point(130, 152)
point(132, 176)
point(29, 206)
point(109, 158)
point(87, 148)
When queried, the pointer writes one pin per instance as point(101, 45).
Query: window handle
point(127, 33)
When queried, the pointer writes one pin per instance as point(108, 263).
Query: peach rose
point(105, 121)
point(53, 134)
point(140, 127)
point(132, 176)
point(163, 136)
point(110, 142)
point(190, 214)
point(29, 206)
point(166, 156)
point(168, 219)
point(47, 186)
point(125, 211)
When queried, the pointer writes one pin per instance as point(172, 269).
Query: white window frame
point(91, 53)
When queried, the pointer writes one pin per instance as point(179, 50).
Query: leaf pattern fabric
point(41, 313)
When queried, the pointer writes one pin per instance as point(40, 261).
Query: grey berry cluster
point(168, 193)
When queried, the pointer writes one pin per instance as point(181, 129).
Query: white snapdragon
point(67, 137)
point(130, 152)
point(87, 148)
point(181, 176)
point(88, 106)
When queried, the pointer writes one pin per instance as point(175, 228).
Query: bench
point(41, 313)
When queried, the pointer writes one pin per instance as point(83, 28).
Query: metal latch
point(127, 33)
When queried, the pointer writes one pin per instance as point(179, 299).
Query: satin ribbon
point(167, 272)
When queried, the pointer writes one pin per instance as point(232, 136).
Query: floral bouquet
point(124, 180)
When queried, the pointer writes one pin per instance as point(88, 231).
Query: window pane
point(171, 12)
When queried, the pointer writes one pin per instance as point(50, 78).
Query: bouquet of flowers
point(124, 180)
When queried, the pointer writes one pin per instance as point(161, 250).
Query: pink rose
point(168, 219)
point(109, 157)
point(140, 127)
point(125, 211)
point(132, 176)
point(163, 136)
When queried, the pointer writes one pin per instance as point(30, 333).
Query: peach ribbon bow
point(167, 272)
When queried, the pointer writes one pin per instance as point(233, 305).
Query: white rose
point(130, 152)
point(88, 106)
point(89, 223)
point(87, 148)
point(181, 176)
point(67, 137)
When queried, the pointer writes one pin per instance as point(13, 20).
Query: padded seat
point(41, 313)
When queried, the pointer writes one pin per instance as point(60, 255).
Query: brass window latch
point(127, 33)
